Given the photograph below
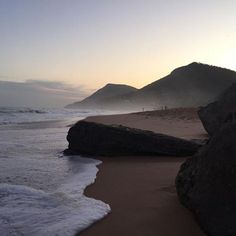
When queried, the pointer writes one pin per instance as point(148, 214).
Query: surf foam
point(28, 211)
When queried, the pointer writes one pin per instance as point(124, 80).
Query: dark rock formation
point(95, 139)
point(206, 183)
point(222, 111)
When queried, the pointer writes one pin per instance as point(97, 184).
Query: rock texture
point(206, 183)
point(95, 139)
point(214, 115)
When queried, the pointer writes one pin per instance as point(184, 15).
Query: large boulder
point(206, 183)
point(217, 113)
point(96, 139)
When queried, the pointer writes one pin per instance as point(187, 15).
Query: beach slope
point(140, 190)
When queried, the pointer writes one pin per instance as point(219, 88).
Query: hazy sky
point(37, 93)
point(93, 42)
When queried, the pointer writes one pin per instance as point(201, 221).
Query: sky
point(39, 93)
point(86, 44)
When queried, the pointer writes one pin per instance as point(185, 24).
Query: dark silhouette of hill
point(104, 96)
point(189, 86)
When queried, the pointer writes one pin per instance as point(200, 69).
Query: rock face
point(95, 139)
point(222, 111)
point(206, 183)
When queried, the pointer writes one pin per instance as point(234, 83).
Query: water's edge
point(66, 211)
point(42, 191)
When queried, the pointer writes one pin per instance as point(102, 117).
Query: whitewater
point(42, 191)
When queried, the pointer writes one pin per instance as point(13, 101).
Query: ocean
point(41, 190)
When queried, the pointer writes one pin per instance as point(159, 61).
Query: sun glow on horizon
point(92, 44)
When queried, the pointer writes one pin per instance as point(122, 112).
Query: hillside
point(189, 86)
point(104, 96)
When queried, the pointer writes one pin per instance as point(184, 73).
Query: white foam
point(41, 194)
point(27, 211)
point(22, 115)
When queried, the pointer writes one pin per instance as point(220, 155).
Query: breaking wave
point(64, 212)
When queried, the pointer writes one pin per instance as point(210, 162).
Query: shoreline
point(142, 197)
point(141, 190)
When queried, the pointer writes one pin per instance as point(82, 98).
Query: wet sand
point(142, 197)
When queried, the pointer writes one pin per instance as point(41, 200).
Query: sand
point(140, 190)
point(182, 123)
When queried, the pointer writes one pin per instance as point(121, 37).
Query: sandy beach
point(181, 122)
point(140, 190)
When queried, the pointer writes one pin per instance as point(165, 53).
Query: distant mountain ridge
point(192, 85)
point(107, 93)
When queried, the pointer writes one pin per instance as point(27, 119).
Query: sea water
point(41, 191)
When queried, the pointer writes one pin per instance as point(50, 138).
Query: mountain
point(192, 85)
point(189, 86)
point(105, 97)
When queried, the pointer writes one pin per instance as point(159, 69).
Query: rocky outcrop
point(206, 183)
point(95, 139)
point(214, 115)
